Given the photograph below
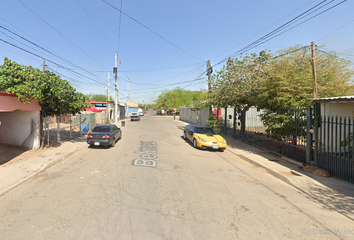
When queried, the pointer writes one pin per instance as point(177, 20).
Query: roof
point(335, 99)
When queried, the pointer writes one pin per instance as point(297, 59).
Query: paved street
point(114, 193)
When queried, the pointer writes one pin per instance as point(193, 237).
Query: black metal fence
point(284, 134)
point(334, 146)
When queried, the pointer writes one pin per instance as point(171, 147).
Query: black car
point(104, 135)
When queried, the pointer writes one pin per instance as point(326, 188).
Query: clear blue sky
point(162, 43)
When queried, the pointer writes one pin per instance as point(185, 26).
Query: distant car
point(104, 135)
point(204, 137)
point(134, 116)
point(144, 112)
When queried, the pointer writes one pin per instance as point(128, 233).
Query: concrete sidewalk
point(331, 193)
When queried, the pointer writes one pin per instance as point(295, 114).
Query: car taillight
point(89, 136)
point(106, 136)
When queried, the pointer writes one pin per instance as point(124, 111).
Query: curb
point(269, 170)
point(42, 169)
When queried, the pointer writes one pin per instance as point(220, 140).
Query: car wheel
point(113, 143)
point(120, 137)
point(195, 143)
point(184, 135)
point(221, 150)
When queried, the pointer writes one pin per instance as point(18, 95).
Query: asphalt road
point(155, 185)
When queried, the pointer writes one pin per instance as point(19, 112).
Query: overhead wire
point(50, 52)
point(61, 34)
point(120, 22)
point(155, 33)
point(95, 23)
point(34, 54)
point(270, 36)
point(336, 30)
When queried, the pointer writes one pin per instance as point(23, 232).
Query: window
point(102, 129)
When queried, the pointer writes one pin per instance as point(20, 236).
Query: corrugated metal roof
point(336, 99)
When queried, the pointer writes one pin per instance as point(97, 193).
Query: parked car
point(104, 135)
point(134, 116)
point(144, 112)
point(204, 137)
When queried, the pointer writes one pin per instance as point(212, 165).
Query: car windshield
point(205, 130)
point(102, 129)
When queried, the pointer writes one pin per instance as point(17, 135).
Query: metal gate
point(334, 145)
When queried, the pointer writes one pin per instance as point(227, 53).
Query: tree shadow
point(332, 193)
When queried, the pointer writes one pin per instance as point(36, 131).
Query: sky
point(162, 44)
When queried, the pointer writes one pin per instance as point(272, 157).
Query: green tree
point(288, 85)
point(289, 81)
point(98, 97)
point(236, 84)
point(176, 98)
point(54, 95)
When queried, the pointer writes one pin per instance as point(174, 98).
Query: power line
point(270, 36)
point(61, 33)
point(34, 54)
point(336, 30)
point(95, 24)
point(120, 22)
point(56, 55)
point(152, 31)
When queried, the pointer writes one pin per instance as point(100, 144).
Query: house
point(19, 122)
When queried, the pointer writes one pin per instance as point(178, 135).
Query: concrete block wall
point(187, 115)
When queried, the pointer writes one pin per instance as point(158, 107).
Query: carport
point(19, 125)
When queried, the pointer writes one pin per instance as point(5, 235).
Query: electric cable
point(61, 34)
point(152, 31)
point(95, 24)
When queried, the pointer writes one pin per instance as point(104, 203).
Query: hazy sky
point(162, 44)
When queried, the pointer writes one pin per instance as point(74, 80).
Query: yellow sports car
point(204, 137)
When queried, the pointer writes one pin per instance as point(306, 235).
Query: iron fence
point(282, 132)
point(334, 146)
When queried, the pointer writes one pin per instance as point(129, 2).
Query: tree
point(287, 88)
point(236, 84)
point(98, 97)
point(176, 98)
point(54, 95)
point(289, 83)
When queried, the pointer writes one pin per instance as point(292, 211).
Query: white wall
point(16, 127)
point(187, 115)
point(337, 109)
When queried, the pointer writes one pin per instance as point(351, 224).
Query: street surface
point(155, 185)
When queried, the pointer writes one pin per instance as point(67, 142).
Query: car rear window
point(102, 129)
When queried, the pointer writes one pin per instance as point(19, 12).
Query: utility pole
point(109, 96)
point(313, 62)
point(47, 121)
point(115, 71)
point(127, 107)
point(209, 72)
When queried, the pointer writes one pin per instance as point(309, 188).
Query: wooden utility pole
point(313, 62)
point(43, 66)
point(209, 72)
